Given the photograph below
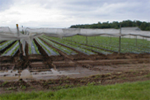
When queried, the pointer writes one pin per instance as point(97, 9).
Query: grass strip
point(125, 91)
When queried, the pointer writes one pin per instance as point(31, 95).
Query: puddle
point(25, 74)
point(72, 72)
point(14, 75)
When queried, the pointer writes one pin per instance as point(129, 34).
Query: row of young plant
point(135, 45)
point(83, 50)
point(36, 48)
point(5, 44)
point(12, 50)
point(50, 51)
point(60, 47)
point(30, 50)
point(93, 41)
point(91, 48)
point(107, 43)
point(130, 44)
point(33, 49)
point(112, 43)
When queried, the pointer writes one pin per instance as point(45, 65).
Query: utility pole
point(20, 45)
point(22, 30)
point(119, 41)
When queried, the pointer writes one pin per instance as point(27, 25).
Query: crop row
point(87, 45)
point(83, 48)
point(5, 44)
point(112, 43)
point(62, 48)
point(85, 51)
point(12, 50)
point(33, 48)
point(49, 50)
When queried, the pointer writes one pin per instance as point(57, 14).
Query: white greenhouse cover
point(7, 33)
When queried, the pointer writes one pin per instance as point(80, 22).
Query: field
point(50, 63)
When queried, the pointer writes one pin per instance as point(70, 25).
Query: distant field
point(128, 45)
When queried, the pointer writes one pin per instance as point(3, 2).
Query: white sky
point(64, 13)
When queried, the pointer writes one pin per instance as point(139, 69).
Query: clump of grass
point(91, 83)
point(11, 88)
point(23, 87)
point(3, 84)
point(148, 75)
point(97, 76)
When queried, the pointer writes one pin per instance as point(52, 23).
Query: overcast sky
point(64, 13)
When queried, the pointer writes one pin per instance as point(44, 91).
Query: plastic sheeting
point(7, 33)
point(60, 32)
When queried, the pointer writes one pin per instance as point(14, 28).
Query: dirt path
point(67, 82)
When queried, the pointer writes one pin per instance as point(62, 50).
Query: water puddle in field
point(14, 75)
point(45, 74)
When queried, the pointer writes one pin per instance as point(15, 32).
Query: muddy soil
point(68, 82)
point(75, 73)
point(43, 72)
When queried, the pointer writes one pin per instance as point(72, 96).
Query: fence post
point(110, 41)
point(71, 40)
point(119, 41)
point(20, 45)
point(136, 40)
point(22, 30)
point(86, 40)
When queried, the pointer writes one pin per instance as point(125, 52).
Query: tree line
point(115, 24)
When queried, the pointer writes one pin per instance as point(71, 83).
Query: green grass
point(126, 91)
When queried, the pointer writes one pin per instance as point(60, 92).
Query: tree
point(116, 24)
